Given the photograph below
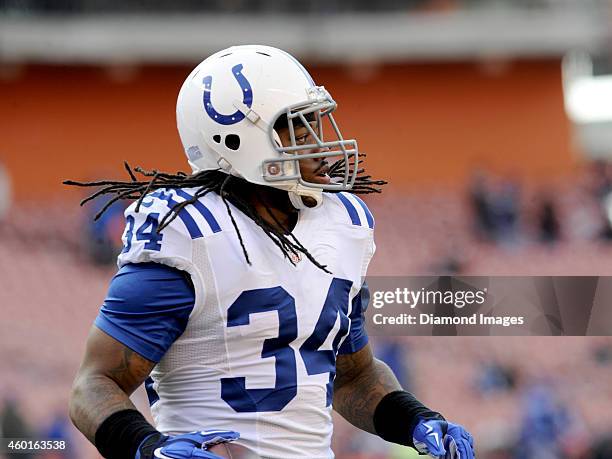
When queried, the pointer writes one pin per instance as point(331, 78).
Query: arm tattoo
point(130, 371)
point(361, 383)
point(96, 394)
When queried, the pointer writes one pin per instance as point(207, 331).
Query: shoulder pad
point(142, 242)
point(352, 209)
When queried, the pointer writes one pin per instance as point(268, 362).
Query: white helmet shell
point(226, 110)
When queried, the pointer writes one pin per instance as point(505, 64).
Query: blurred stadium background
point(492, 120)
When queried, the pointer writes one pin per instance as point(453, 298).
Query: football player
point(239, 300)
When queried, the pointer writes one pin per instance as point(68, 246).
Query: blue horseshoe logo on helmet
point(247, 98)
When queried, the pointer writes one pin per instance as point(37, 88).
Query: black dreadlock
point(231, 190)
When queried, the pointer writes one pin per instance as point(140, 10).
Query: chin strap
point(299, 192)
point(297, 201)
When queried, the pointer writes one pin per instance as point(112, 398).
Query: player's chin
point(319, 179)
point(232, 451)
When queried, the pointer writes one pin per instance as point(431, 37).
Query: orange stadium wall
point(422, 124)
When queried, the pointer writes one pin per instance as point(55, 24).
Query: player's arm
point(361, 383)
point(109, 374)
point(147, 308)
point(144, 312)
point(361, 380)
point(101, 409)
point(368, 395)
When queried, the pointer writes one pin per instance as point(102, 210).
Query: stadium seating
point(52, 293)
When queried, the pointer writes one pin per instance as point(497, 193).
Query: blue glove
point(443, 439)
point(187, 446)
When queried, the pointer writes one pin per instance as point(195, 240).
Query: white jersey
point(258, 353)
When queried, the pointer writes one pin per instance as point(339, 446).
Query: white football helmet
point(226, 110)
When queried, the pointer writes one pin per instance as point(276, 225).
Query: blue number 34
point(234, 391)
point(145, 232)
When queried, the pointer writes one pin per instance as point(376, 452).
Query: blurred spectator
point(450, 265)
point(606, 205)
point(495, 205)
point(548, 222)
point(60, 429)
point(13, 425)
point(602, 179)
point(505, 211)
point(395, 352)
point(601, 188)
point(494, 377)
point(549, 429)
point(603, 354)
point(103, 236)
point(5, 192)
point(603, 448)
point(478, 196)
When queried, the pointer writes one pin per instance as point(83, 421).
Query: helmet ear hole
point(217, 138)
point(232, 141)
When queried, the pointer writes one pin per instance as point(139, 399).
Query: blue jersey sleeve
point(147, 308)
point(358, 336)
